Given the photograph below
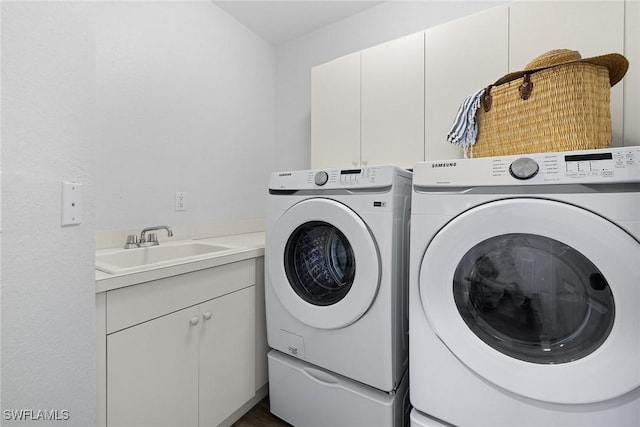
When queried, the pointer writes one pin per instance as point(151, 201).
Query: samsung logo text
point(444, 165)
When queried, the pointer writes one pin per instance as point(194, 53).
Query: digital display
point(588, 157)
point(350, 171)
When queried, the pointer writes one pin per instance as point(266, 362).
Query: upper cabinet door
point(335, 113)
point(393, 102)
point(632, 78)
point(462, 57)
point(591, 27)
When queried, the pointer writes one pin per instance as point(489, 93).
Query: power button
point(321, 178)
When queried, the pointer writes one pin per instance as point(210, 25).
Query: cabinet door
point(462, 57)
point(393, 102)
point(101, 359)
point(591, 27)
point(631, 80)
point(335, 113)
point(262, 347)
point(152, 375)
point(227, 355)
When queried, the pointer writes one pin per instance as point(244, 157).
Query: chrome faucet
point(152, 240)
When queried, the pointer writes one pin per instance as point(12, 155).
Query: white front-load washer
point(336, 280)
point(525, 289)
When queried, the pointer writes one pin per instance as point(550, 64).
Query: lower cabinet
point(152, 375)
point(227, 356)
point(172, 362)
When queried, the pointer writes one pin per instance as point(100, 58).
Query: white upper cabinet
point(335, 113)
point(395, 103)
point(367, 108)
point(462, 57)
point(392, 105)
point(632, 79)
point(591, 27)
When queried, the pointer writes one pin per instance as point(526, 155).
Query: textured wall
point(186, 102)
point(47, 312)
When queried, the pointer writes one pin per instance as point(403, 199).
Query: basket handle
point(526, 87)
point(525, 90)
point(487, 99)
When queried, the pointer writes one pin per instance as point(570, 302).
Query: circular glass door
point(320, 263)
point(323, 263)
point(538, 297)
point(533, 298)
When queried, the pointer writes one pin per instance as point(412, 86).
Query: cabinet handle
point(207, 315)
point(194, 320)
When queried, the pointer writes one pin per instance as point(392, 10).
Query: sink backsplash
point(106, 239)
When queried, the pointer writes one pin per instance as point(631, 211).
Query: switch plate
point(181, 201)
point(71, 203)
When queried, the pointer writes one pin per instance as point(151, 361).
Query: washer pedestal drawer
point(308, 396)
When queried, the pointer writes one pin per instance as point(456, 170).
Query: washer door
point(538, 297)
point(324, 263)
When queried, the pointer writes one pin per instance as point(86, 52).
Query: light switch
point(71, 203)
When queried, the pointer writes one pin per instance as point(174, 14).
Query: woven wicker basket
point(566, 108)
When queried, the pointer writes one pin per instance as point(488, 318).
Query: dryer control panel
point(612, 165)
point(353, 179)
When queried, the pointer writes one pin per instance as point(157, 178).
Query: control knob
point(321, 178)
point(524, 168)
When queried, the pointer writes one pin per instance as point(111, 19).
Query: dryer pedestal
point(307, 396)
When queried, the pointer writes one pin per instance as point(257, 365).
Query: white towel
point(464, 130)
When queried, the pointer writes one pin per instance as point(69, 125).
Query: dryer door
point(538, 297)
point(323, 263)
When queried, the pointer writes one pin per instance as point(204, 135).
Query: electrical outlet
point(181, 201)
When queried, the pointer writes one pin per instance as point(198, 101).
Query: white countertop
point(249, 245)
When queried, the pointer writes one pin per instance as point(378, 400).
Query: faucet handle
point(150, 239)
point(132, 241)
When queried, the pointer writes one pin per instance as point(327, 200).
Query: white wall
point(382, 23)
point(47, 312)
point(189, 100)
point(186, 102)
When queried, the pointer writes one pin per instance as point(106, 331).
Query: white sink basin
point(139, 259)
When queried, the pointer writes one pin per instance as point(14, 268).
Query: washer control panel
point(344, 177)
point(361, 178)
point(620, 164)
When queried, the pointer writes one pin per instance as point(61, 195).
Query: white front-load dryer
point(336, 258)
point(525, 288)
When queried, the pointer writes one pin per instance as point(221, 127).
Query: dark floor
point(260, 416)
